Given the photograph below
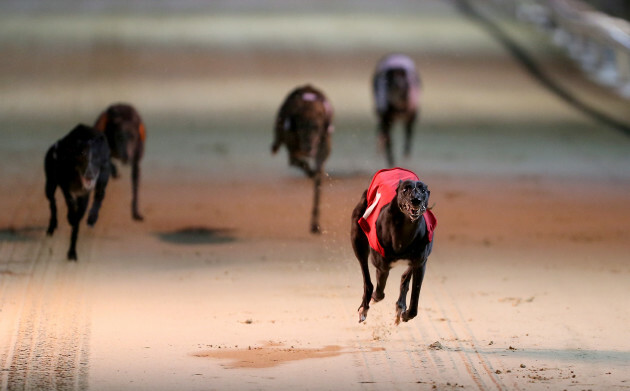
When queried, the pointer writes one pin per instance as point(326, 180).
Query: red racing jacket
point(381, 192)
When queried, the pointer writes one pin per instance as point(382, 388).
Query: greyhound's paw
point(376, 297)
point(113, 170)
point(92, 219)
point(315, 228)
point(399, 314)
point(362, 314)
point(51, 228)
point(137, 216)
point(408, 315)
point(72, 255)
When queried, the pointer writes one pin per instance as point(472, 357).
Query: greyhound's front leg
point(417, 277)
point(113, 169)
point(99, 195)
point(401, 304)
point(74, 218)
point(50, 163)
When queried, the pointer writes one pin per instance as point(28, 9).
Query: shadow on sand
point(198, 235)
point(543, 355)
point(13, 234)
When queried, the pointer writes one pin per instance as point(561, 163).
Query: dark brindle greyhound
point(392, 222)
point(77, 163)
point(125, 134)
point(304, 124)
point(396, 93)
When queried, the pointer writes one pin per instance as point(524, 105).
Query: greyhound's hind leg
point(361, 249)
point(409, 124)
point(135, 179)
point(381, 281)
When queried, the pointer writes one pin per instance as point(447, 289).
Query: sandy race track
point(222, 287)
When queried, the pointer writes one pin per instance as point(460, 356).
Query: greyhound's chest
point(80, 186)
point(397, 250)
point(402, 242)
point(399, 105)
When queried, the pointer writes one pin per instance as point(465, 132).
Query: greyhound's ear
point(143, 132)
point(101, 122)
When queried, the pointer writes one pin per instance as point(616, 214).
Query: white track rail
point(598, 42)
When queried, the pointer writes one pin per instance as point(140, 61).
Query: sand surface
point(223, 287)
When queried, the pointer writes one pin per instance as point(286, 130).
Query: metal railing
point(598, 42)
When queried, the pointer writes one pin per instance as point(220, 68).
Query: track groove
point(45, 323)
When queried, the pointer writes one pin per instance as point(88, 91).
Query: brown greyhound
point(77, 163)
point(392, 222)
point(126, 133)
point(304, 124)
point(397, 88)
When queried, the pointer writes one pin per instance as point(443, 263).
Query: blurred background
point(616, 8)
point(220, 69)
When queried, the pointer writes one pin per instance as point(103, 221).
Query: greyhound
point(392, 222)
point(397, 90)
point(126, 133)
point(78, 164)
point(304, 124)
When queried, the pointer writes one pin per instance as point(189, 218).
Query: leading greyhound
point(392, 222)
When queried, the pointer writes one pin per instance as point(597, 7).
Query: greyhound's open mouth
point(88, 184)
point(415, 212)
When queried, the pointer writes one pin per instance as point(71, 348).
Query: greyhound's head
point(397, 87)
point(123, 138)
point(413, 198)
point(87, 162)
point(124, 130)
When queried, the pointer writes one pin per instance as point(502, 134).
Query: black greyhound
point(126, 133)
point(77, 163)
point(304, 124)
point(396, 87)
point(392, 222)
